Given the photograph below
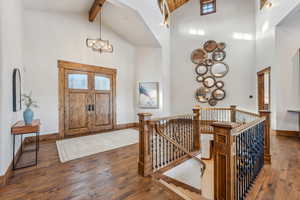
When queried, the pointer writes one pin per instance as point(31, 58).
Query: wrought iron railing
point(179, 129)
point(249, 159)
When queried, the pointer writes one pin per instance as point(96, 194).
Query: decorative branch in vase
point(29, 103)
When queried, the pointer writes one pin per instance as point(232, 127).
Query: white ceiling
point(125, 21)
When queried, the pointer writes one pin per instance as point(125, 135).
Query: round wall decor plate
point(212, 102)
point(219, 69)
point(219, 84)
point(201, 69)
point(199, 79)
point(201, 94)
point(219, 55)
point(210, 46)
point(221, 45)
point(218, 94)
point(198, 56)
point(209, 81)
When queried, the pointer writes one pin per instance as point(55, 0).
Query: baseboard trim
point(55, 136)
point(287, 133)
point(125, 126)
point(9, 172)
point(43, 138)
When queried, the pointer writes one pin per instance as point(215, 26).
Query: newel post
point(233, 113)
point(196, 128)
point(224, 162)
point(267, 125)
point(145, 160)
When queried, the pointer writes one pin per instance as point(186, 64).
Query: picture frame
point(149, 95)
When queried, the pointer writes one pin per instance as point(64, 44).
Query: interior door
point(77, 102)
point(264, 89)
point(102, 115)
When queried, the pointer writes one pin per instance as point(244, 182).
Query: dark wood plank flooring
point(113, 176)
point(283, 176)
point(105, 176)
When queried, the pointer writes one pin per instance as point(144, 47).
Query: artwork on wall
point(149, 95)
point(17, 100)
point(210, 67)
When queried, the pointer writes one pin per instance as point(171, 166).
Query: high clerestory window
point(208, 6)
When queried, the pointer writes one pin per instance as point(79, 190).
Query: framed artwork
point(17, 102)
point(149, 95)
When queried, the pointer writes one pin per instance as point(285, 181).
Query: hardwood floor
point(106, 176)
point(113, 176)
point(283, 176)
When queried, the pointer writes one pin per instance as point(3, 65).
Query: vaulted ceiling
point(174, 4)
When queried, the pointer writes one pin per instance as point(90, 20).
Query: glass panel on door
point(102, 83)
point(78, 81)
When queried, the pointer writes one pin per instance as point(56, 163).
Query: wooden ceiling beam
point(95, 9)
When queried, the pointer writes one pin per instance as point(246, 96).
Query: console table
point(20, 128)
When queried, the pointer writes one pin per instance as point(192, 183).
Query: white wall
point(148, 69)
point(232, 16)
point(10, 57)
point(287, 57)
point(151, 14)
point(49, 37)
point(266, 21)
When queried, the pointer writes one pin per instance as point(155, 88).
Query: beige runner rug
point(74, 148)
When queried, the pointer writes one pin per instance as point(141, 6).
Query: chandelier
point(100, 45)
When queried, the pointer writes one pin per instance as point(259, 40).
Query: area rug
point(71, 149)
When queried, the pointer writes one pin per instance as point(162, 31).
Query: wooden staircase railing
point(241, 145)
point(191, 155)
point(164, 141)
point(241, 148)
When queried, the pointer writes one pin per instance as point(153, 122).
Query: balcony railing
point(241, 145)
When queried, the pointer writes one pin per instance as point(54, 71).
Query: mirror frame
point(220, 76)
point(218, 51)
point(208, 78)
point(201, 65)
point(16, 106)
point(218, 99)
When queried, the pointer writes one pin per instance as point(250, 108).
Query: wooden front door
point(87, 98)
point(102, 100)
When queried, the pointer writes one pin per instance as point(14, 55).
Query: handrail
point(248, 113)
point(241, 128)
point(160, 132)
point(170, 118)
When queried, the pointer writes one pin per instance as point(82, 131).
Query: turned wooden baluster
point(267, 124)
point(145, 159)
point(196, 130)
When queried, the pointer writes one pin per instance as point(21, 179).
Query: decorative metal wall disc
point(221, 45)
point(209, 82)
point(212, 102)
point(201, 69)
point(218, 94)
point(199, 79)
point(218, 55)
point(210, 46)
point(201, 94)
point(219, 69)
point(219, 84)
point(198, 56)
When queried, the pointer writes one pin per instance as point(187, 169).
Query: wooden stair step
point(181, 192)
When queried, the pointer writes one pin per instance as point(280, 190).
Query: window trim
point(204, 2)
